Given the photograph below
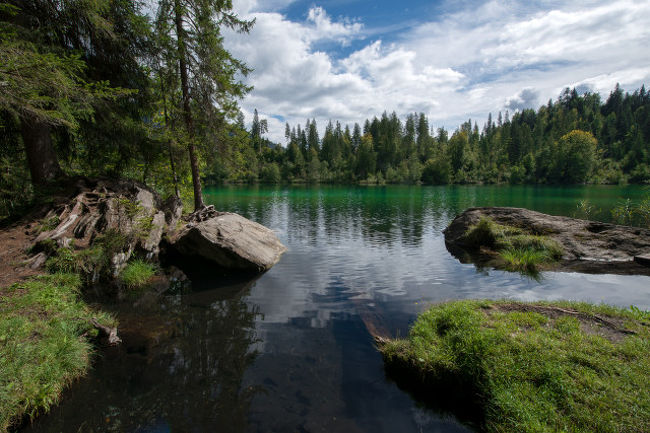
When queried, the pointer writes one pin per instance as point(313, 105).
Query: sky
point(349, 60)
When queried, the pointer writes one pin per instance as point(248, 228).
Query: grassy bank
point(43, 343)
point(518, 249)
point(543, 367)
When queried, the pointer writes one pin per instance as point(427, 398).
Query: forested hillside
point(101, 88)
point(576, 139)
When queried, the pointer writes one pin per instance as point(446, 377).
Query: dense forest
point(105, 88)
point(576, 139)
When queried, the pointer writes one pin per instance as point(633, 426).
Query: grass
point(137, 274)
point(520, 250)
point(543, 367)
point(43, 344)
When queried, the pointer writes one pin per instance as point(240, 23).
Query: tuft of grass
point(538, 367)
point(137, 274)
point(521, 251)
point(42, 348)
point(523, 259)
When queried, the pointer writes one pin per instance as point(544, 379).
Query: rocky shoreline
point(152, 229)
point(588, 246)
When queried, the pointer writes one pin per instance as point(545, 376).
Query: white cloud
point(326, 29)
point(466, 64)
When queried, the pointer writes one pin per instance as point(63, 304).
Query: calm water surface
point(292, 350)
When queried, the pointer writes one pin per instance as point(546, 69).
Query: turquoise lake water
point(292, 350)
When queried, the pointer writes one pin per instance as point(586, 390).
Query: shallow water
point(292, 350)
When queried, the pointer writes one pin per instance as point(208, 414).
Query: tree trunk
point(41, 158)
point(169, 142)
point(194, 164)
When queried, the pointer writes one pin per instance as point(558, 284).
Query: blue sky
point(349, 60)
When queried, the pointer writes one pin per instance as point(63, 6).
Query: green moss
point(137, 274)
point(42, 349)
point(541, 367)
point(520, 250)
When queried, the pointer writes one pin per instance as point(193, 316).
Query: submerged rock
point(588, 246)
point(229, 240)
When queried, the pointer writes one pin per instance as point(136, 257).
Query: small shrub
point(623, 212)
point(642, 212)
point(585, 210)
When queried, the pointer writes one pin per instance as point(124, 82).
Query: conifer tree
point(206, 70)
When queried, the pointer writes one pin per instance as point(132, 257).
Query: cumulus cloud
point(325, 28)
point(527, 98)
point(478, 59)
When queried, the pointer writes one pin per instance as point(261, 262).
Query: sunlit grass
point(534, 369)
point(137, 274)
point(521, 251)
point(42, 348)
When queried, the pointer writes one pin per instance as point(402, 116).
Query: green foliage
point(92, 262)
point(137, 274)
point(271, 173)
point(50, 223)
point(526, 260)
point(577, 157)
point(585, 210)
point(437, 171)
point(130, 208)
point(533, 367)
point(568, 141)
point(623, 212)
point(628, 213)
point(109, 82)
point(642, 212)
point(42, 350)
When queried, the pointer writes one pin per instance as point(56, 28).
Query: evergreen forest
point(110, 88)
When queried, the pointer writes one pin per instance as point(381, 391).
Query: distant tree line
point(576, 139)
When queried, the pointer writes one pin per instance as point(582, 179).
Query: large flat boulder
point(588, 245)
point(230, 241)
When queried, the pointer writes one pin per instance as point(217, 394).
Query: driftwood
point(106, 331)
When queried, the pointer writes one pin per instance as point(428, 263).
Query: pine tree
point(206, 70)
point(46, 55)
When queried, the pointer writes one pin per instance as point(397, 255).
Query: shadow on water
point(180, 368)
point(444, 399)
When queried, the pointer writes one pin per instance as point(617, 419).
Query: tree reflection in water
point(180, 369)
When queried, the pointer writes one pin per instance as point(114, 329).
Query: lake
point(292, 350)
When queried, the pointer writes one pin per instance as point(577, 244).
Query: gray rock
point(588, 245)
point(643, 260)
point(231, 241)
